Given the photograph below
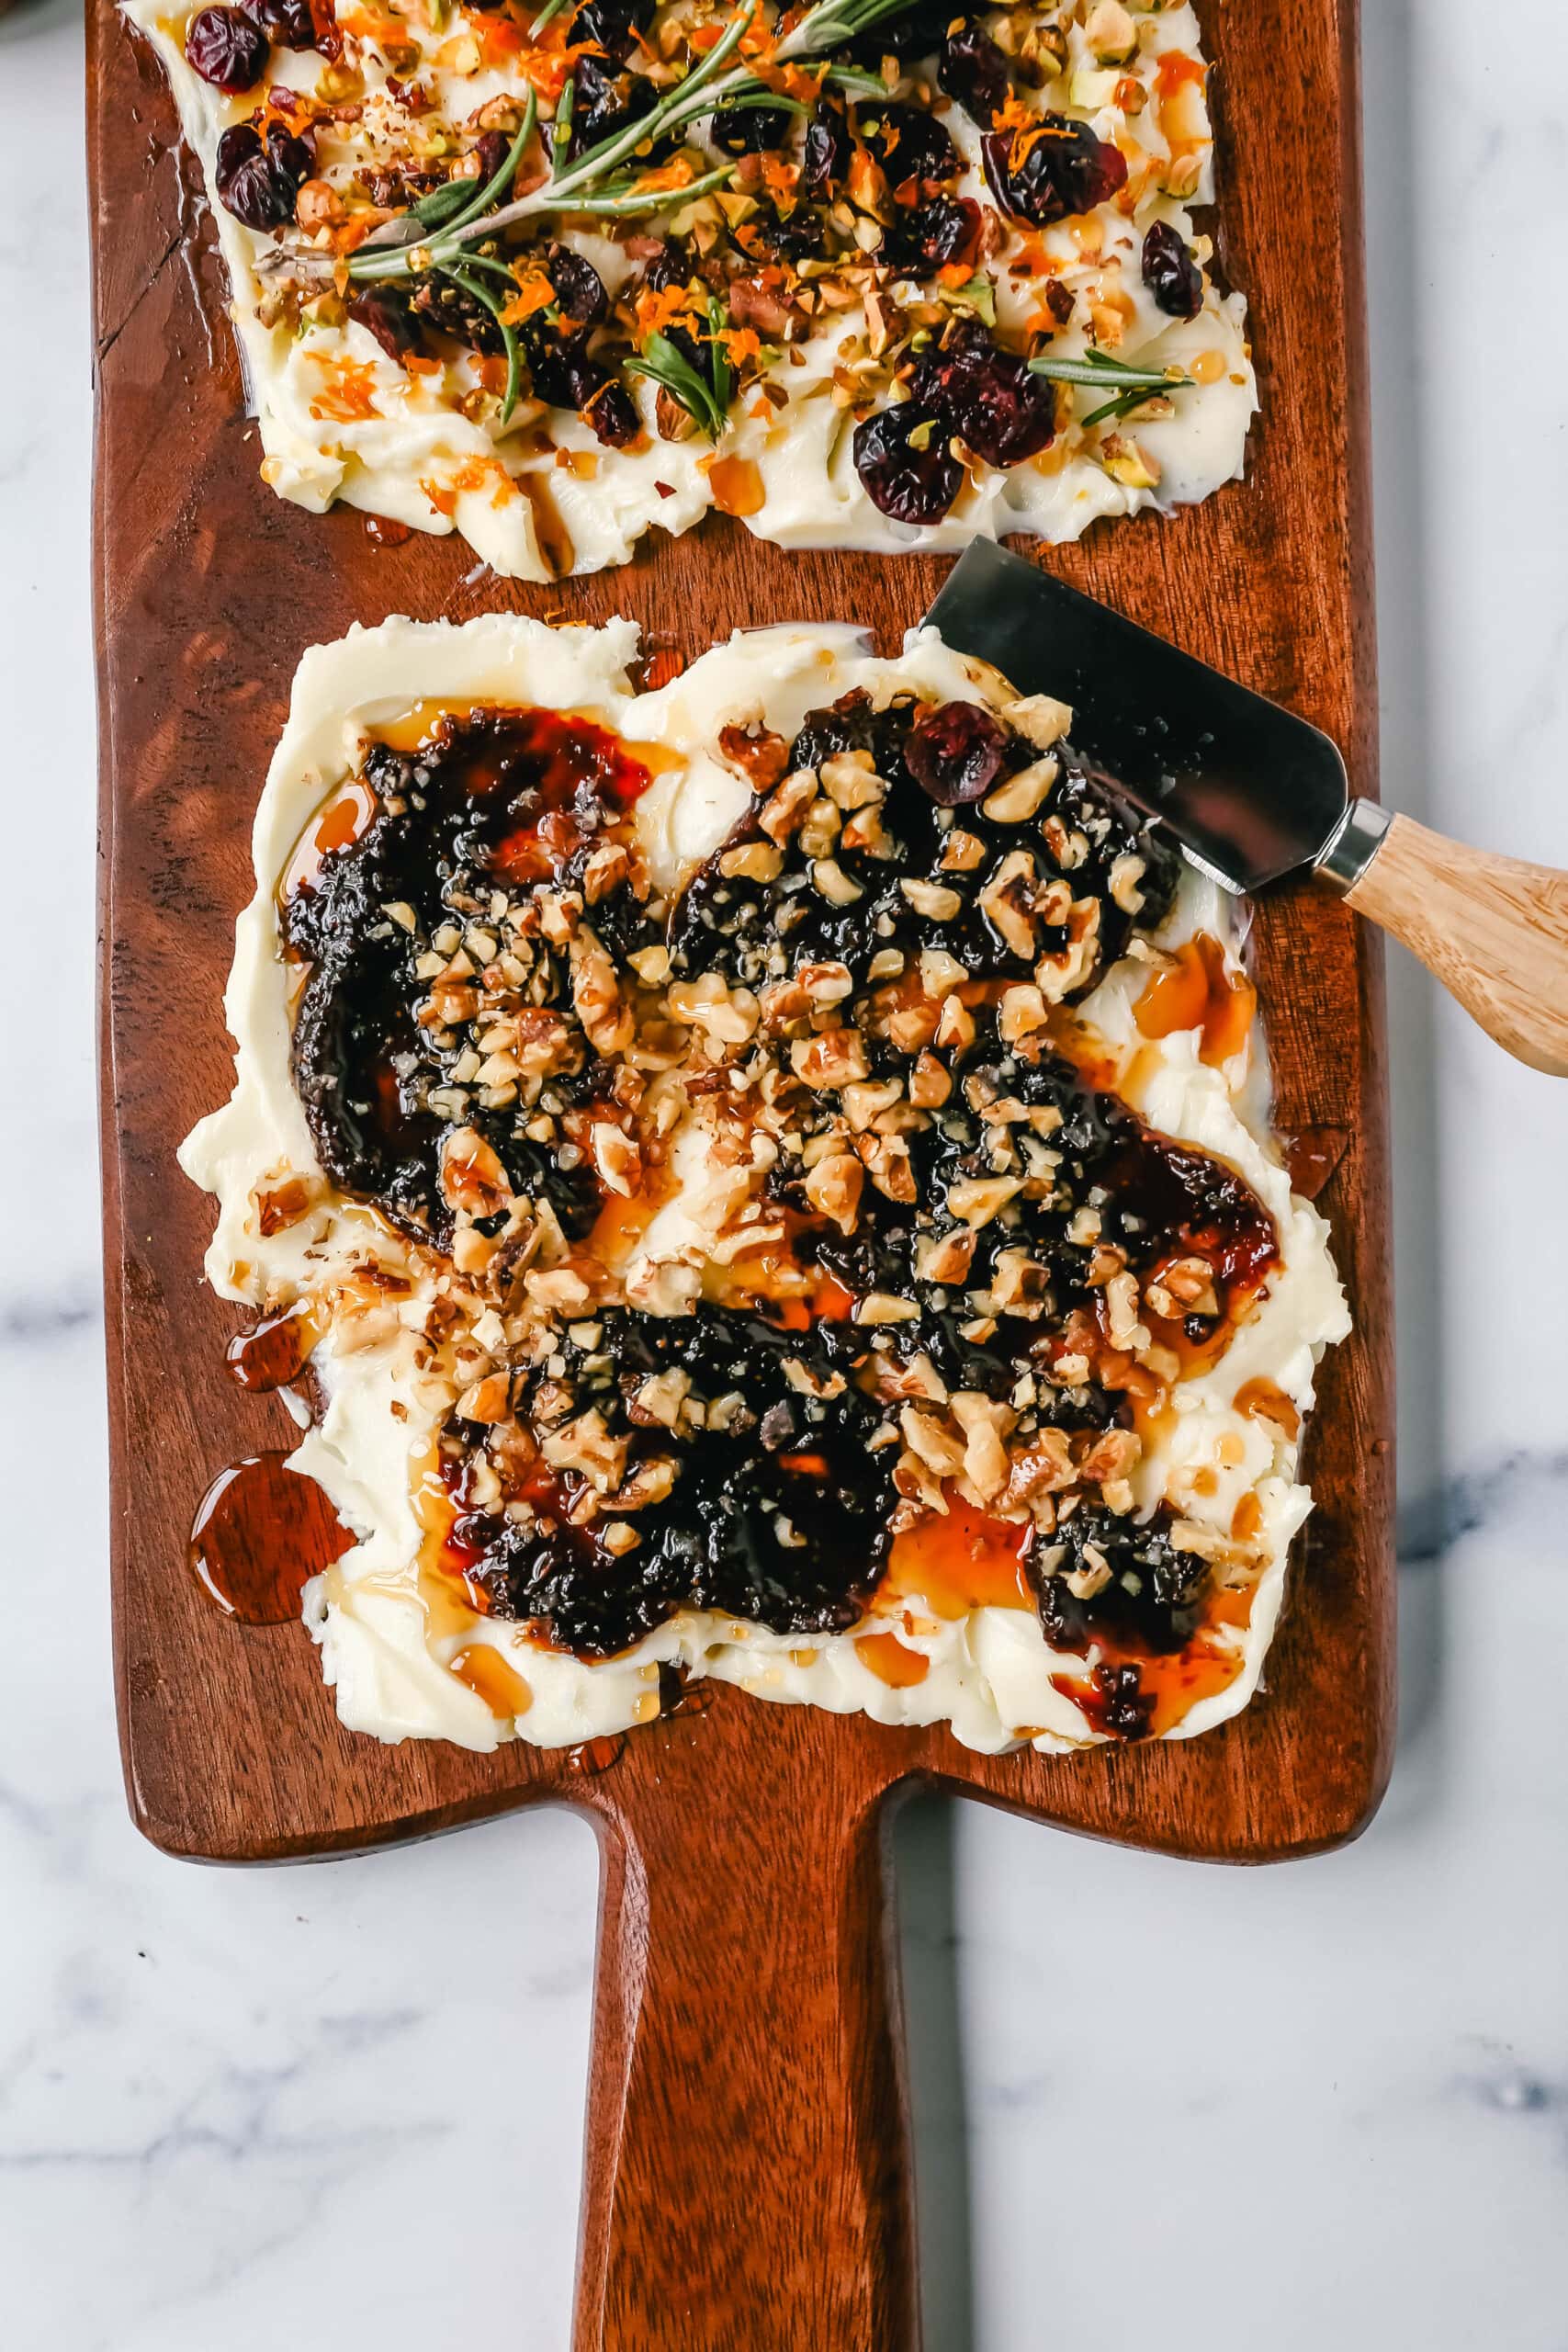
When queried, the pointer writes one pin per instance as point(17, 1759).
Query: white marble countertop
point(235, 2108)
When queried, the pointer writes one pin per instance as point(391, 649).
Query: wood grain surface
point(746, 2151)
point(1493, 930)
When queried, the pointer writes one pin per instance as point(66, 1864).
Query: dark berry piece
point(226, 48)
point(946, 230)
point(912, 147)
point(955, 752)
point(446, 304)
point(988, 398)
point(579, 289)
point(487, 155)
point(298, 23)
point(259, 180)
point(613, 417)
point(749, 130)
point(912, 33)
point(612, 25)
point(906, 467)
point(973, 69)
point(605, 104)
point(827, 153)
point(1171, 274)
point(1064, 170)
point(1154, 1600)
point(388, 315)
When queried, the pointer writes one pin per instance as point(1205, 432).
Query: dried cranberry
point(1171, 274)
point(988, 397)
point(605, 104)
point(946, 230)
point(566, 377)
point(1064, 170)
point(912, 147)
point(386, 313)
point(955, 752)
point(455, 311)
point(913, 32)
point(973, 69)
point(827, 154)
point(668, 266)
point(258, 181)
point(487, 155)
point(767, 238)
point(612, 25)
point(911, 482)
point(298, 23)
point(749, 130)
point(613, 417)
point(579, 289)
point(226, 48)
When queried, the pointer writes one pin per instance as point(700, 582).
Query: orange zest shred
point(660, 307)
point(534, 292)
point(741, 344)
point(474, 473)
point(348, 390)
point(1027, 128)
point(676, 173)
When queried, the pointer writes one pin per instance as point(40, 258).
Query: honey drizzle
point(260, 1532)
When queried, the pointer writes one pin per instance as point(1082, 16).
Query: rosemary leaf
point(723, 381)
point(459, 275)
point(560, 134)
point(1104, 374)
point(668, 367)
point(621, 199)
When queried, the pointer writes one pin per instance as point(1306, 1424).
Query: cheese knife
point(1253, 793)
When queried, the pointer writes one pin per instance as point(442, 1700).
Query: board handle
point(748, 2182)
point(1493, 929)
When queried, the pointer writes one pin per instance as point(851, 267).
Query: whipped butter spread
point(816, 305)
point(777, 1176)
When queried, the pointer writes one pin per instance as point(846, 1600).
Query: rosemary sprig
point(552, 10)
point(719, 365)
point(1128, 386)
point(665, 365)
point(621, 199)
point(561, 130)
point(591, 184)
point(462, 273)
point(455, 208)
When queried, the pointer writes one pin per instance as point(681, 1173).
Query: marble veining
point(343, 2106)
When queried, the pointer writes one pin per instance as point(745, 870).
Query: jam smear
point(261, 1530)
point(495, 799)
point(755, 1478)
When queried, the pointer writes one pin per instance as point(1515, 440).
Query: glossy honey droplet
point(261, 1531)
point(891, 1660)
point(1197, 991)
point(486, 1673)
point(961, 1559)
point(273, 1351)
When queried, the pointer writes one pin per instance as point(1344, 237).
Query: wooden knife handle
point(747, 2179)
point(1493, 930)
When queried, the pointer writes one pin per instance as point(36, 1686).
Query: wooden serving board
point(748, 2176)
